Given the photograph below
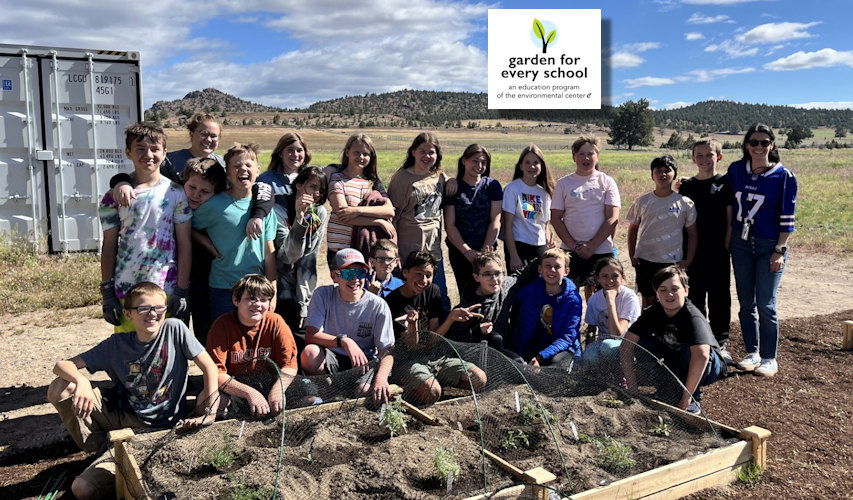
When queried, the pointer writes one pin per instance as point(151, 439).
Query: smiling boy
point(657, 221)
point(244, 343)
point(548, 315)
point(224, 217)
point(673, 329)
point(149, 369)
point(348, 327)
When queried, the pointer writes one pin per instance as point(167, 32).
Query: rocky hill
point(209, 100)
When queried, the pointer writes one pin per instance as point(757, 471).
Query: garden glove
point(111, 306)
point(178, 305)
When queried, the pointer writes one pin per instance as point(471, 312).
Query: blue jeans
point(756, 288)
point(220, 302)
point(440, 280)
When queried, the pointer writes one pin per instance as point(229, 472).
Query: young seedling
point(613, 403)
point(613, 455)
point(394, 418)
point(661, 428)
point(241, 491)
point(514, 439)
point(750, 474)
point(533, 413)
point(446, 465)
point(221, 457)
point(584, 438)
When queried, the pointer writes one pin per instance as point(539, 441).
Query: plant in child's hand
point(394, 418)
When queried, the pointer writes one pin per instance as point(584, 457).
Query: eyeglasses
point(764, 142)
point(492, 274)
point(208, 135)
point(353, 274)
point(384, 260)
point(143, 310)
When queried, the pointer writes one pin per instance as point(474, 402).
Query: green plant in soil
point(394, 418)
point(445, 464)
point(750, 474)
point(614, 403)
point(515, 439)
point(661, 428)
point(223, 456)
point(533, 413)
point(584, 438)
point(242, 491)
point(612, 455)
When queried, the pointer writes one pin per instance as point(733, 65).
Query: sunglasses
point(764, 142)
point(353, 274)
point(143, 310)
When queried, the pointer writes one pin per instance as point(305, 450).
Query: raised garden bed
point(340, 450)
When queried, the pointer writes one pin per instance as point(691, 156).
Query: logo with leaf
point(539, 32)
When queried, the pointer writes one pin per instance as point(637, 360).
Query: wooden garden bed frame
point(717, 467)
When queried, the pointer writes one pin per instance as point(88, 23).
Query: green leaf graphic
point(551, 36)
point(538, 30)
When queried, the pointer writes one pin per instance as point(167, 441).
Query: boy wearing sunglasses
point(148, 368)
point(348, 327)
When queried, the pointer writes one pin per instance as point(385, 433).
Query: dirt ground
point(808, 406)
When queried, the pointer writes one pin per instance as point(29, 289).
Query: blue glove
point(111, 306)
point(178, 305)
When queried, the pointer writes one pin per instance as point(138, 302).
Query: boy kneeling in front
point(149, 369)
point(673, 329)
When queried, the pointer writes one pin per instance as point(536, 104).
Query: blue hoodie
point(531, 337)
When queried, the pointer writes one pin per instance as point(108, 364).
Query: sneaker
point(726, 356)
point(768, 368)
point(750, 362)
point(694, 408)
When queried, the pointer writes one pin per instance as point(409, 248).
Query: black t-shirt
point(427, 303)
point(688, 327)
point(712, 197)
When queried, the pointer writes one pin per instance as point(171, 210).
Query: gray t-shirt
point(598, 312)
point(152, 375)
point(367, 321)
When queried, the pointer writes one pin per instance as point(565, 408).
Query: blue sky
point(292, 52)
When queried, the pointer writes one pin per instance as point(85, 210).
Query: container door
point(22, 208)
point(86, 109)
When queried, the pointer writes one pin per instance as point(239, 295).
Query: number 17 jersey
point(766, 202)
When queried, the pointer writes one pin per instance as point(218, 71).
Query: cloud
point(777, 32)
point(677, 104)
point(825, 105)
point(642, 46)
point(648, 81)
point(716, 2)
point(698, 18)
point(691, 36)
point(625, 60)
point(733, 48)
point(707, 75)
point(822, 58)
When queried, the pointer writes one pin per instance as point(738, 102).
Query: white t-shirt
point(598, 314)
point(531, 207)
point(661, 222)
point(582, 198)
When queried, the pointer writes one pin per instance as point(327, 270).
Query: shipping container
point(62, 118)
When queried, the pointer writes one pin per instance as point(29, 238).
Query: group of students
point(234, 245)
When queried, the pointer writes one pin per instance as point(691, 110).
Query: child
point(711, 268)
point(149, 369)
point(417, 305)
point(347, 327)
point(224, 217)
point(416, 190)
point(150, 241)
point(673, 329)
point(612, 310)
point(548, 313)
point(244, 342)
point(527, 209)
point(202, 177)
point(383, 261)
point(585, 211)
point(357, 196)
point(301, 228)
point(205, 132)
point(657, 220)
point(472, 214)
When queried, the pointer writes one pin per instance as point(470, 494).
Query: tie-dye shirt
point(146, 235)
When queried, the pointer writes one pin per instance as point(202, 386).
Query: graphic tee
point(531, 210)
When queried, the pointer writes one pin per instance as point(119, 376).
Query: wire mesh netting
point(497, 424)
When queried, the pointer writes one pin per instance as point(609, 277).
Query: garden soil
point(808, 406)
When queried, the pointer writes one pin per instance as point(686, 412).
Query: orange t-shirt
point(238, 349)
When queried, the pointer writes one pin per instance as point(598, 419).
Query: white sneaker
point(750, 362)
point(768, 368)
point(726, 356)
